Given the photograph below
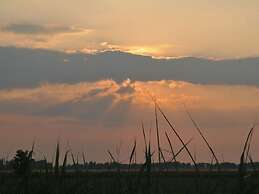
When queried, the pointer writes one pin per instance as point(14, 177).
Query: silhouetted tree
point(22, 162)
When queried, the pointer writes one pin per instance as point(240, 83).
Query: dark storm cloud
point(20, 67)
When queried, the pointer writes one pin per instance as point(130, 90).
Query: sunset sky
point(166, 28)
point(81, 72)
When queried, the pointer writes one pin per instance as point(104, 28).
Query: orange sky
point(102, 114)
point(94, 116)
point(218, 29)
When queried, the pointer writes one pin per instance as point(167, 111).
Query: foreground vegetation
point(128, 183)
point(160, 177)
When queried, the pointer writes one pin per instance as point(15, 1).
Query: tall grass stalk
point(132, 152)
point(157, 136)
point(56, 167)
point(179, 137)
point(204, 138)
point(171, 146)
point(180, 150)
point(242, 165)
point(64, 163)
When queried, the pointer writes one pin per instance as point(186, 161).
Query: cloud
point(32, 67)
point(108, 111)
point(86, 101)
point(97, 100)
point(48, 36)
point(127, 87)
point(31, 29)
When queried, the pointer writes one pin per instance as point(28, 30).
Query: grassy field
point(151, 177)
point(129, 183)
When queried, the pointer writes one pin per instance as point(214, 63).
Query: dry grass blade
point(241, 169)
point(56, 167)
point(178, 136)
point(171, 147)
point(144, 135)
point(32, 149)
point(133, 152)
point(248, 146)
point(203, 137)
point(149, 157)
point(181, 149)
point(111, 156)
point(157, 136)
point(84, 160)
point(162, 156)
point(64, 163)
point(73, 159)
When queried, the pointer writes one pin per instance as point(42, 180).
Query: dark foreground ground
point(130, 183)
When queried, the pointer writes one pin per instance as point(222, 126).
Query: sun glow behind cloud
point(153, 50)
